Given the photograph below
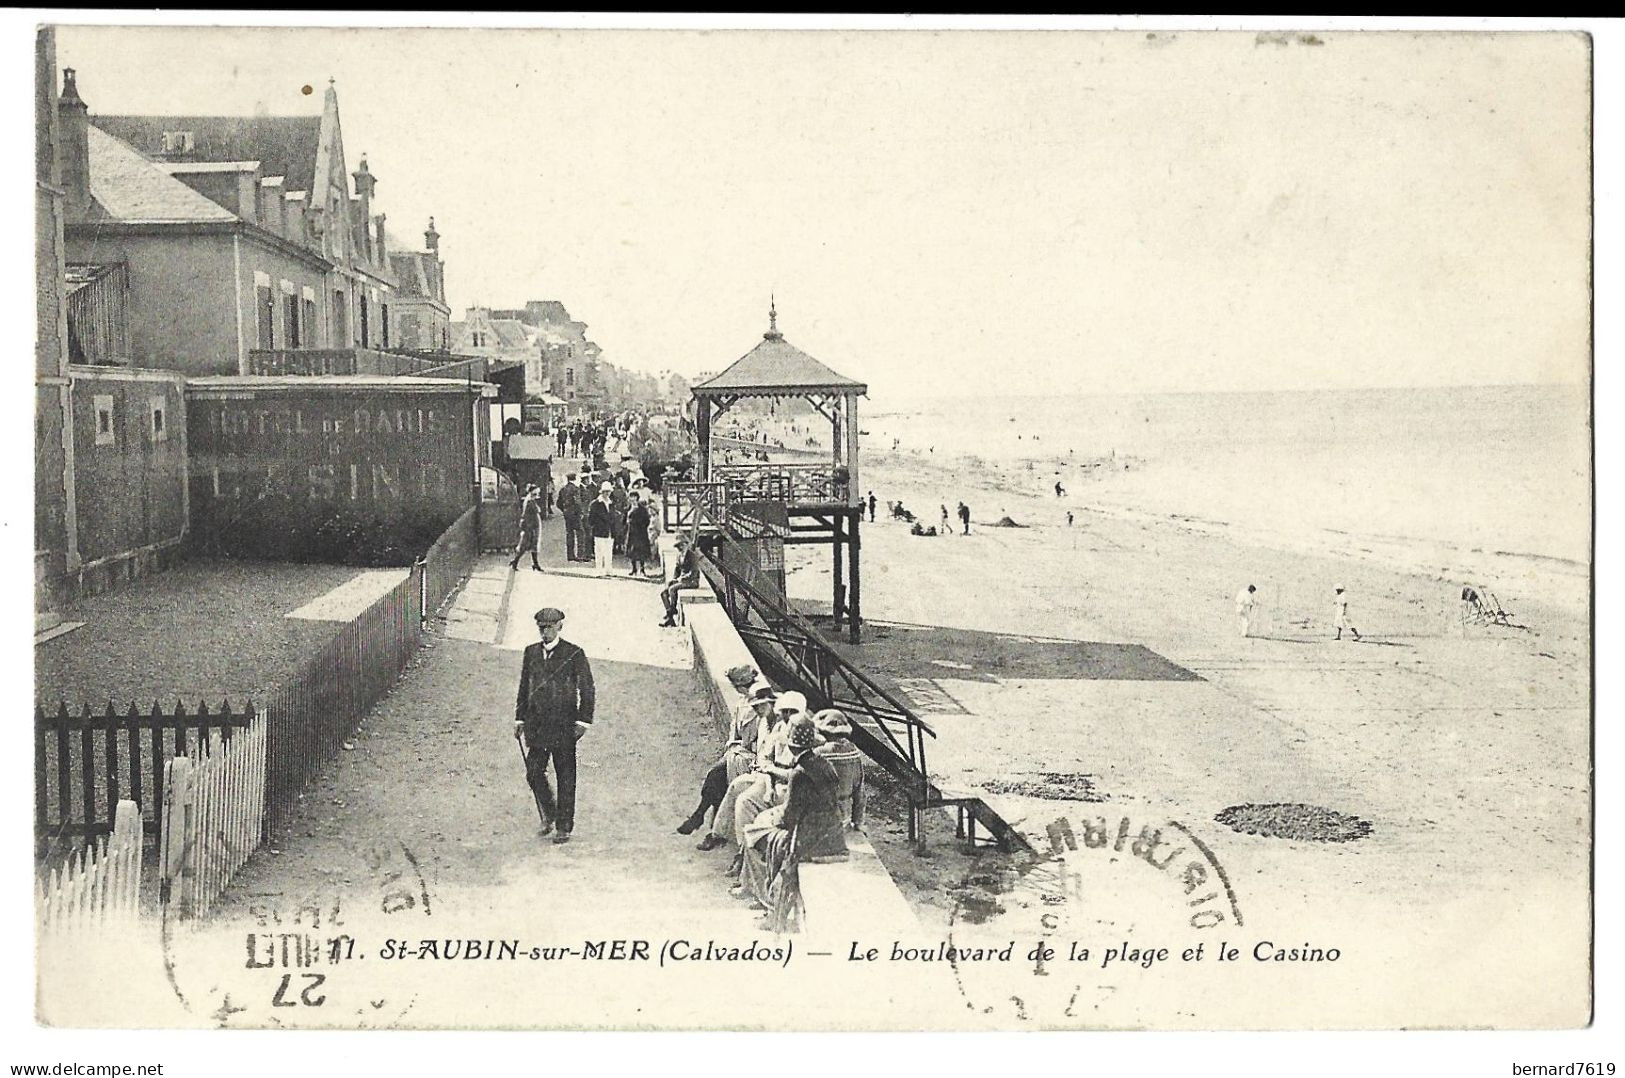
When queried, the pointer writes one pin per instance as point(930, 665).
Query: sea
point(1498, 471)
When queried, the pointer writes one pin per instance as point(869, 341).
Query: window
point(308, 319)
point(383, 320)
point(569, 376)
point(160, 429)
point(177, 142)
point(264, 311)
point(365, 337)
point(104, 419)
point(341, 324)
point(290, 320)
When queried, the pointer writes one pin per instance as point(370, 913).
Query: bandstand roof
point(777, 368)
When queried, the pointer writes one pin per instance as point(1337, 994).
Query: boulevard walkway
point(425, 828)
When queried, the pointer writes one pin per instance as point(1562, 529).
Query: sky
point(963, 212)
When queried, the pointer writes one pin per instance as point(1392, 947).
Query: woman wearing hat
point(601, 525)
point(805, 827)
point(637, 534)
point(835, 745)
point(530, 528)
point(738, 754)
point(755, 790)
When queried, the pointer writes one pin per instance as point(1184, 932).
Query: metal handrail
point(833, 679)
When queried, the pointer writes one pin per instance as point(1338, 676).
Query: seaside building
point(239, 236)
point(175, 251)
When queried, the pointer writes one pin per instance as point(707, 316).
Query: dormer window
point(177, 142)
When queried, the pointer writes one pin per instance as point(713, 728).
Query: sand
point(1105, 660)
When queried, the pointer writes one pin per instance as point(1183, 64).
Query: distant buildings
point(560, 360)
point(420, 318)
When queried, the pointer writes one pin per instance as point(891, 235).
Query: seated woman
point(739, 753)
point(754, 790)
point(806, 827)
point(835, 745)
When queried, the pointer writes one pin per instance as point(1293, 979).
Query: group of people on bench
point(787, 786)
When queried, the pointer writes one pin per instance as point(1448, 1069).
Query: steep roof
point(510, 333)
point(777, 366)
point(409, 269)
point(125, 186)
point(283, 145)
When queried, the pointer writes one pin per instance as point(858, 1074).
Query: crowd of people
point(785, 789)
point(597, 439)
point(619, 518)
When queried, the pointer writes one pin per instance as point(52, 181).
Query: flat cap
point(549, 615)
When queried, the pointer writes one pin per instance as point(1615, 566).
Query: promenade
point(430, 806)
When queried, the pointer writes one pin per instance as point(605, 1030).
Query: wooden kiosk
point(822, 502)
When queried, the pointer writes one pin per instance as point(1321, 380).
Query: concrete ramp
point(349, 599)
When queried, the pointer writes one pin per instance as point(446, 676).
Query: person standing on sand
point(871, 507)
point(1340, 614)
point(964, 517)
point(1069, 518)
point(946, 529)
point(1244, 608)
point(1060, 491)
point(554, 709)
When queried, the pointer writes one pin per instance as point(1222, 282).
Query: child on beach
point(1340, 614)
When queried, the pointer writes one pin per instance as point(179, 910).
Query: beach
point(1106, 660)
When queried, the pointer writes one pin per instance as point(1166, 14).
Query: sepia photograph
point(770, 528)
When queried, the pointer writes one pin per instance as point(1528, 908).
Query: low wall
point(841, 896)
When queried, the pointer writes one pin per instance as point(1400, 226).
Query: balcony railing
point(792, 484)
point(308, 361)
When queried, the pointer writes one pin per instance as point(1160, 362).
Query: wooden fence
point(316, 710)
point(100, 886)
point(85, 764)
point(213, 808)
point(449, 560)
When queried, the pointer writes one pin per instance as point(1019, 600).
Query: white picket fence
point(213, 807)
point(99, 888)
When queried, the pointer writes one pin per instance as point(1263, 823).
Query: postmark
point(1105, 897)
point(305, 960)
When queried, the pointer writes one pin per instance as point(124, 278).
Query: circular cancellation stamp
point(1047, 936)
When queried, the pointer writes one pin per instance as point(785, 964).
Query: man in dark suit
point(555, 707)
point(572, 503)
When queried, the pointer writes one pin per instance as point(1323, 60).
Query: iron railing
point(884, 727)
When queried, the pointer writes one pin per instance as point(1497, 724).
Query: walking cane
point(524, 754)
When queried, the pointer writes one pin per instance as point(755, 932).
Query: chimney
point(431, 239)
point(383, 249)
point(364, 184)
point(73, 129)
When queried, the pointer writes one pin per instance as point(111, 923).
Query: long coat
point(569, 501)
point(637, 533)
point(554, 693)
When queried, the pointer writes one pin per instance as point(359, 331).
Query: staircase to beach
point(791, 652)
